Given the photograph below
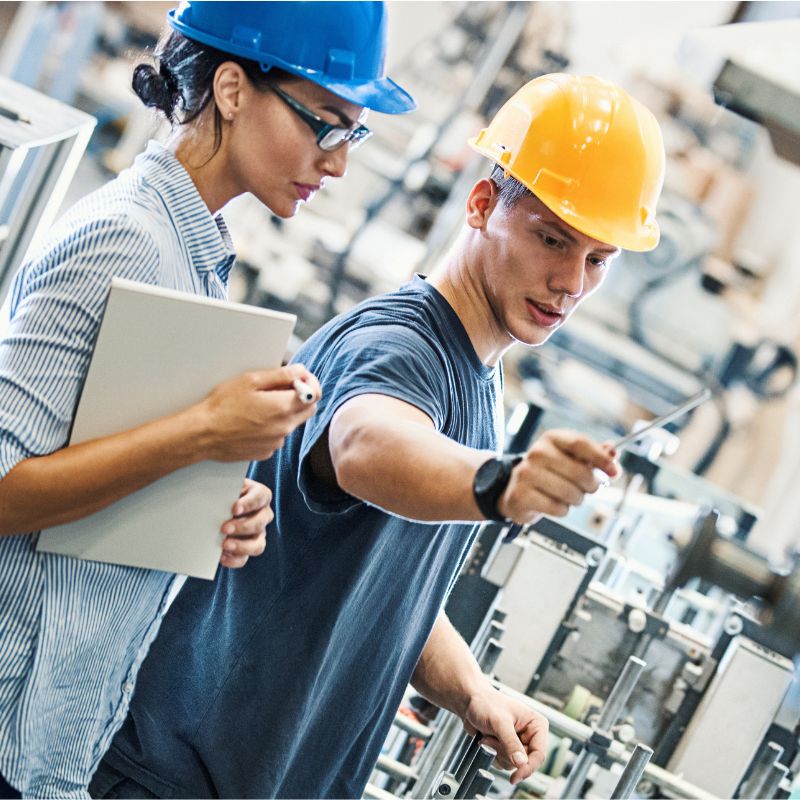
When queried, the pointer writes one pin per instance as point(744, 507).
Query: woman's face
point(273, 152)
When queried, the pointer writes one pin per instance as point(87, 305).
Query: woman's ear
point(229, 81)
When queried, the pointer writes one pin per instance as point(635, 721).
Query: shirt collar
point(205, 236)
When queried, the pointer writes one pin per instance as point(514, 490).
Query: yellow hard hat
point(588, 150)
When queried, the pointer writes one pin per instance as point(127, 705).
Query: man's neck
point(460, 283)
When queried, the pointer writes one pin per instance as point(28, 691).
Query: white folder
point(160, 351)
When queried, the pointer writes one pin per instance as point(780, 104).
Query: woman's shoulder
point(113, 229)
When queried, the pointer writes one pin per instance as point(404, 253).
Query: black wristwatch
point(490, 482)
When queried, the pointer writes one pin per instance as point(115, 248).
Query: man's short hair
point(510, 189)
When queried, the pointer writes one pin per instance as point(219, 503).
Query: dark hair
point(511, 191)
point(183, 85)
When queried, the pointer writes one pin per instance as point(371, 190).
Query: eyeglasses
point(329, 137)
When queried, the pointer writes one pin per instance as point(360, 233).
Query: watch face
point(488, 474)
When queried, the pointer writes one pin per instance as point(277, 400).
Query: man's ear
point(482, 200)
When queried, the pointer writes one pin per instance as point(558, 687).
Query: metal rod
point(660, 422)
point(763, 764)
point(395, 768)
point(773, 780)
point(412, 727)
point(632, 773)
point(483, 758)
point(578, 774)
point(372, 792)
point(468, 756)
point(480, 784)
point(620, 692)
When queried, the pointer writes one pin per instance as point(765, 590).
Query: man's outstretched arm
point(387, 452)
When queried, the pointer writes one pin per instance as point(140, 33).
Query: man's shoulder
point(403, 318)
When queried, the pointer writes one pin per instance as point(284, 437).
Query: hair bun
point(156, 89)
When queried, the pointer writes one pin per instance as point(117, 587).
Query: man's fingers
point(509, 747)
point(534, 736)
point(584, 449)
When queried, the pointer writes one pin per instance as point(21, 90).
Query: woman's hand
point(248, 417)
point(246, 531)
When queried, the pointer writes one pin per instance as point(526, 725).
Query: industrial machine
point(620, 626)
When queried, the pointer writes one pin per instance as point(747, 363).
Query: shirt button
point(128, 687)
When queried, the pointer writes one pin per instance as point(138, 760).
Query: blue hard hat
point(339, 45)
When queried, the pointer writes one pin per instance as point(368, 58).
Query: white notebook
point(159, 351)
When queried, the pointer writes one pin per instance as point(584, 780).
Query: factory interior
point(657, 625)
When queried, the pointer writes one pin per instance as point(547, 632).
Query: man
point(282, 681)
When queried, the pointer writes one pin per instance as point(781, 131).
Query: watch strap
point(488, 498)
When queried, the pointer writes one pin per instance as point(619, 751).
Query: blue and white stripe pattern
point(73, 633)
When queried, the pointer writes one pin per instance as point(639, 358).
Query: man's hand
point(515, 731)
point(555, 474)
point(245, 533)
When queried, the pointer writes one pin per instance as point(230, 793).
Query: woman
point(73, 633)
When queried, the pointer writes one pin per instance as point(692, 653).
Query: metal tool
point(659, 422)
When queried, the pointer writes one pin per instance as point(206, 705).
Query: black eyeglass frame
point(356, 134)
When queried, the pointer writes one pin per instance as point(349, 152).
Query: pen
point(659, 422)
point(9, 113)
point(304, 391)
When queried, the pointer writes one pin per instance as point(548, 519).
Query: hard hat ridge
point(337, 44)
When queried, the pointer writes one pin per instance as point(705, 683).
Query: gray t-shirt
point(281, 679)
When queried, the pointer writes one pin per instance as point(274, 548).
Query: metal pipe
point(632, 773)
point(412, 727)
point(372, 792)
point(466, 757)
point(620, 692)
point(480, 763)
point(395, 768)
point(578, 774)
point(761, 769)
point(773, 780)
point(480, 784)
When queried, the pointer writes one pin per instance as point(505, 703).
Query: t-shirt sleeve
point(55, 310)
point(391, 360)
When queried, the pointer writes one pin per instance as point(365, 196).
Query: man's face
point(536, 268)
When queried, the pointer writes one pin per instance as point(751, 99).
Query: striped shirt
point(73, 633)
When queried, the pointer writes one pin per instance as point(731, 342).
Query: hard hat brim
point(382, 95)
